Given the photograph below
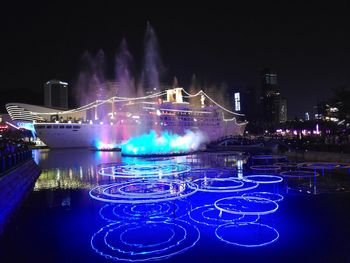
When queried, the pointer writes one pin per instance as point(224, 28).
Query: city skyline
point(308, 51)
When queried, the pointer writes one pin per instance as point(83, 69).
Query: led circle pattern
point(210, 216)
point(213, 172)
point(146, 211)
point(298, 174)
point(143, 191)
point(247, 235)
point(263, 178)
point(136, 241)
point(141, 171)
point(265, 195)
point(224, 185)
point(246, 205)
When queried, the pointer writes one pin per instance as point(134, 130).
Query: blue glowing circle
point(299, 174)
point(224, 185)
point(150, 243)
point(265, 167)
point(175, 209)
point(263, 178)
point(141, 171)
point(151, 189)
point(137, 242)
point(246, 205)
point(265, 195)
point(210, 216)
point(212, 172)
point(247, 235)
point(138, 228)
point(167, 190)
point(145, 211)
point(218, 184)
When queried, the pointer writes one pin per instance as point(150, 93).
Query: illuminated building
point(274, 106)
point(237, 101)
point(327, 112)
point(56, 94)
point(307, 116)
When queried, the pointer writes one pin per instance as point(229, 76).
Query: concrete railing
point(11, 160)
point(15, 184)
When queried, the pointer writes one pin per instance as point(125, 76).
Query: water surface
point(60, 222)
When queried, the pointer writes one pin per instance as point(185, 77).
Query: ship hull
point(91, 135)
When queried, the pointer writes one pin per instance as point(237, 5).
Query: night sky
point(308, 46)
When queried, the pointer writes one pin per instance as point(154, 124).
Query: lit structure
point(56, 94)
point(307, 116)
point(114, 121)
point(274, 107)
point(237, 101)
point(235, 234)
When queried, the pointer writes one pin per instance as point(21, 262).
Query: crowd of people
point(12, 152)
point(328, 143)
point(9, 146)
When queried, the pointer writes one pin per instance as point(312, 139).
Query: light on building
point(237, 101)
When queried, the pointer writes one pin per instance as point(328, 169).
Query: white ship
point(108, 123)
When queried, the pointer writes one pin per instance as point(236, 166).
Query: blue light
point(263, 178)
point(247, 235)
point(27, 126)
point(246, 205)
point(230, 185)
point(209, 215)
point(166, 142)
point(265, 195)
point(148, 191)
point(139, 206)
point(115, 241)
point(141, 171)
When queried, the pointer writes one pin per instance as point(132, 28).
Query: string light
point(94, 104)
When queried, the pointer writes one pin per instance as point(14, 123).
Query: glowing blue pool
point(102, 207)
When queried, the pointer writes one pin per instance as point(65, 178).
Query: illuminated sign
point(237, 102)
point(27, 126)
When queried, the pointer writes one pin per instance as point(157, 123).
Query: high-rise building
point(269, 82)
point(307, 116)
point(283, 117)
point(56, 94)
point(274, 106)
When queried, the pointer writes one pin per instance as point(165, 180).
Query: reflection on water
point(147, 198)
point(64, 178)
point(157, 209)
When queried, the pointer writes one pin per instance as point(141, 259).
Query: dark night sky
point(308, 46)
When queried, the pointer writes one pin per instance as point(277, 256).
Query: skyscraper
point(56, 94)
point(274, 106)
point(269, 82)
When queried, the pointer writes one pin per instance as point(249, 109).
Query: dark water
point(60, 222)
